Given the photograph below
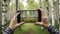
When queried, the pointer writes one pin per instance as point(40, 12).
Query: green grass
point(30, 28)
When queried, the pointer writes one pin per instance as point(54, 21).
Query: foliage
point(32, 5)
point(29, 19)
point(21, 6)
point(30, 26)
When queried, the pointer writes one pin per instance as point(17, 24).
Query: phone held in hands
point(29, 16)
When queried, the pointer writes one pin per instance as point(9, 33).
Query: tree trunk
point(47, 7)
point(52, 12)
point(4, 11)
point(17, 5)
point(0, 16)
point(0, 10)
point(59, 15)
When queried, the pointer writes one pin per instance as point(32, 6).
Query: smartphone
point(30, 16)
point(18, 17)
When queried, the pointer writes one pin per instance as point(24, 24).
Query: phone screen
point(29, 16)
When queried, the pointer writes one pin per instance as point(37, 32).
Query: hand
point(45, 22)
point(14, 24)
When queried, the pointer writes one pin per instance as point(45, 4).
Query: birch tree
point(59, 15)
point(0, 10)
point(0, 15)
point(16, 5)
point(52, 12)
point(4, 11)
point(47, 7)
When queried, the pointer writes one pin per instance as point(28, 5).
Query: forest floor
point(30, 28)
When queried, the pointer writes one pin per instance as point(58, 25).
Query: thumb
point(21, 23)
point(39, 23)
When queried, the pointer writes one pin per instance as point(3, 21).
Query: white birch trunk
point(0, 11)
point(4, 11)
point(59, 15)
point(47, 7)
point(52, 12)
point(17, 6)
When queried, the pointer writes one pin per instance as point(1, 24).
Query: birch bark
point(4, 11)
point(52, 12)
point(59, 15)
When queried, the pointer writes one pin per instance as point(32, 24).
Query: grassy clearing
point(30, 28)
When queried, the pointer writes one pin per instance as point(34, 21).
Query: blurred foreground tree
point(4, 11)
point(0, 16)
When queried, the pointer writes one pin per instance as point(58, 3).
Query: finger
point(19, 24)
point(39, 23)
point(16, 15)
